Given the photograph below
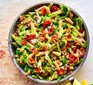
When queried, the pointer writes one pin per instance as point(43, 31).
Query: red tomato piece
point(24, 42)
point(42, 36)
point(43, 48)
point(68, 68)
point(50, 30)
point(54, 8)
point(43, 30)
point(31, 61)
point(46, 23)
point(68, 44)
point(72, 58)
point(82, 52)
point(44, 74)
point(37, 70)
point(55, 38)
point(34, 50)
point(74, 49)
point(30, 37)
point(27, 37)
point(33, 36)
point(81, 30)
point(69, 35)
point(43, 11)
point(68, 30)
point(64, 48)
point(42, 33)
point(60, 72)
point(75, 59)
point(42, 39)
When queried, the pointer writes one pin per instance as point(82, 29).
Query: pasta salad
point(49, 42)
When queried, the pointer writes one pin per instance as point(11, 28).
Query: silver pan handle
point(72, 81)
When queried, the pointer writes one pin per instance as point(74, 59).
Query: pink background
point(9, 10)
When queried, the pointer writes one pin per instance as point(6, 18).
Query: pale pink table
point(9, 9)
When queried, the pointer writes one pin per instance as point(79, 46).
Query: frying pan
point(12, 53)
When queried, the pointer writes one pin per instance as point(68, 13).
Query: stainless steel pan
point(11, 50)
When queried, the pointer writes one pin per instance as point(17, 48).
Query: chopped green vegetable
point(48, 69)
point(85, 44)
point(74, 32)
point(63, 43)
point(39, 76)
point(33, 28)
point(65, 9)
point(21, 28)
point(17, 39)
point(58, 47)
point(78, 23)
point(48, 59)
point(23, 57)
point(45, 18)
point(21, 50)
point(70, 50)
point(55, 13)
point(26, 68)
point(52, 77)
point(55, 22)
point(59, 78)
point(64, 61)
point(14, 44)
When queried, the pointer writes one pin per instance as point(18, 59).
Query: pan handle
point(72, 81)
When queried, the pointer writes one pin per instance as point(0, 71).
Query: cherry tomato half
point(54, 8)
point(60, 72)
point(46, 23)
point(24, 42)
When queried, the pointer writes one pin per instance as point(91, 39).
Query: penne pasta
point(31, 55)
point(40, 54)
point(60, 24)
point(69, 21)
point(57, 65)
point(30, 45)
point(56, 53)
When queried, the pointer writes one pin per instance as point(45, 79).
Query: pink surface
point(9, 74)
point(9, 10)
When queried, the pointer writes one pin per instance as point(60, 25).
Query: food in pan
point(49, 42)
